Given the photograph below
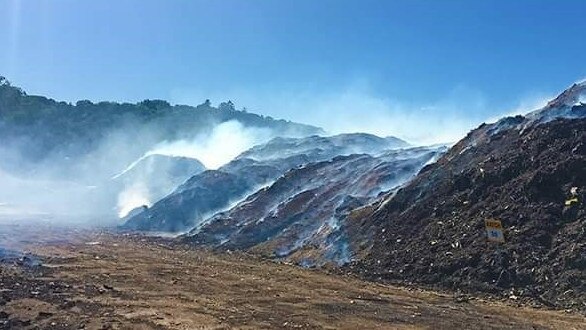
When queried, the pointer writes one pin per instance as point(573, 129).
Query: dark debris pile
point(432, 231)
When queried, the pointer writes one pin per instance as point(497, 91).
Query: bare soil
point(99, 280)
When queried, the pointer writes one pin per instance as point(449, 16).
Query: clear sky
point(426, 70)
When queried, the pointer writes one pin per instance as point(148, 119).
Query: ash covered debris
point(432, 230)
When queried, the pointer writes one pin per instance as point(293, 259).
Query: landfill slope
point(207, 193)
point(299, 218)
point(433, 230)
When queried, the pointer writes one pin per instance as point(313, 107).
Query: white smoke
point(95, 188)
point(214, 149)
point(356, 107)
point(226, 141)
point(525, 106)
point(360, 111)
point(48, 197)
point(135, 195)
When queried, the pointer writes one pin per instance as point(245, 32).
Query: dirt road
point(98, 280)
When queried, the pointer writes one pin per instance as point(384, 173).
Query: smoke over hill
point(68, 159)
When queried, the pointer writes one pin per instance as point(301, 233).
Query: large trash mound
point(213, 191)
point(298, 217)
point(530, 177)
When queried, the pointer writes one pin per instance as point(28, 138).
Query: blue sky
point(424, 70)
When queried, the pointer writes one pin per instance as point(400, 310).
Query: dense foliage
point(42, 125)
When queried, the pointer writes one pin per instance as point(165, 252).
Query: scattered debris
point(526, 179)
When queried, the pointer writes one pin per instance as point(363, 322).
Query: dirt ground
point(98, 280)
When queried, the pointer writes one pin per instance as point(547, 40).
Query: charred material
point(432, 231)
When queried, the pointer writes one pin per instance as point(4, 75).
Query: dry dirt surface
point(98, 280)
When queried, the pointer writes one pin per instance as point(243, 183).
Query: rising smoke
point(214, 149)
point(226, 141)
point(356, 107)
point(118, 175)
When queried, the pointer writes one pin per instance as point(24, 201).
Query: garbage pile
point(530, 184)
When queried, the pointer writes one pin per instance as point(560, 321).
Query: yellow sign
point(494, 230)
point(491, 223)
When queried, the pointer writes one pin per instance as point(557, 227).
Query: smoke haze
point(110, 181)
point(214, 149)
point(357, 108)
point(226, 141)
